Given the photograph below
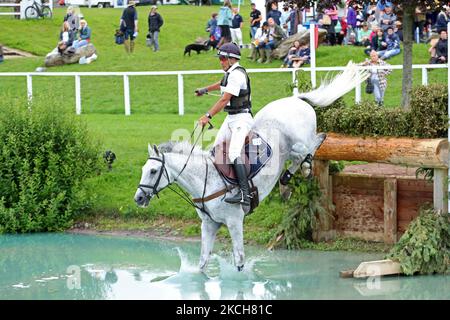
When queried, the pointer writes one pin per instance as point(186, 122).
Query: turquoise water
point(67, 266)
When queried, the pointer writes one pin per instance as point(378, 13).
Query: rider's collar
point(234, 66)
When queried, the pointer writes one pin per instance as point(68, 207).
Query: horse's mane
point(181, 147)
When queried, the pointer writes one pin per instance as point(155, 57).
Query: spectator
point(287, 62)
point(295, 19)
point(392, 42)
point(419, 22)
point(439, 51)
point(274, 13)
point(377, 76)
point(284, 18)
point(155, 22)
point(302, 57)
point(377, 43)
point(388, 18)
point(261, 38)
point(224, 22)
point(66, 37)
point(351, 21)
point(363, 35)
point(398, 29)
point(442, 18)
point(211, 25)
point(236, 27)
point(129, 26)
point(85, 35)
point(1, 54)
point(276, 35)
point(332, 13)
point(72, 18)
point(255, 20)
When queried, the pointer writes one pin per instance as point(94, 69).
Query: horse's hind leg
point(236, 230)
point(209, 231)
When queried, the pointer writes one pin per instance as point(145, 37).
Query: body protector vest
point(241, 102)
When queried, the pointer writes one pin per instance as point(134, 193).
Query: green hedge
point(45, 155)
point(427, 117)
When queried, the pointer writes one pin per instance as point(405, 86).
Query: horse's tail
point(330, 91)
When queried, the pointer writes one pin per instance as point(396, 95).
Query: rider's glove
point(201, 91)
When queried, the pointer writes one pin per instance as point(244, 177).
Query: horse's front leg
point(236, 230)
point(209, 231)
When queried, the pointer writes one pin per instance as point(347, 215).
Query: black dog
point(197, 47)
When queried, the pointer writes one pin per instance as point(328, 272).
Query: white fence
point(10, 5)
point(180, 74)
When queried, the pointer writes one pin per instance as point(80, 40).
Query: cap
point(230, 50)
point(265, 24)
point(131, 3)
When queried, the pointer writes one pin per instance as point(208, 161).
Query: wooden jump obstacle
point(428, 153)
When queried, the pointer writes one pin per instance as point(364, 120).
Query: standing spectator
point(388, 18)
point(224, 22)
point(73, 19)
point(274, 13)
point(129, 26)
point(377, 76)
point(439, 51)
point(236, 27)
point(255, 20)
point(442, 18)
point(284, 18)
point(155, 22)
point(333, 14)
point(85, 35)
point(351, 21)
point(295, 19)
point(392, 43)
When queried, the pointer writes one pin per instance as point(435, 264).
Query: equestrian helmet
point(230, 50)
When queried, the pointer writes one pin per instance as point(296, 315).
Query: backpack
point(119, 37)
point(369, 86)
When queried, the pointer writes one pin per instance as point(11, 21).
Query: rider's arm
point(214, 86)
point(219, 105)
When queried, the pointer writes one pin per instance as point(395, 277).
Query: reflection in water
point(58, 266)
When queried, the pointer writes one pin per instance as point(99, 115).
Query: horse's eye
point(153, 171)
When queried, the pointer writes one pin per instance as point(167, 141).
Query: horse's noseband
point(154, 189)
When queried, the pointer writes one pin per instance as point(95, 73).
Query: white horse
point(288, 125)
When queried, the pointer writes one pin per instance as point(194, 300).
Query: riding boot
point(126, 44)
point(243, 197)
point(131, 46)
point(261, 55)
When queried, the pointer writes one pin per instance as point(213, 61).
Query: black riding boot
point(243, 196)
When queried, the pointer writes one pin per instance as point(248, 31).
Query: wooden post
point(390, 211)
point(325, 226)
point(439, 188)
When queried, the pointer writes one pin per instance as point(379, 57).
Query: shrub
point(45, 155)
point(425, 246)
point(426, 119)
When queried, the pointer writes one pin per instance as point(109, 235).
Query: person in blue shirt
point(392, 42)
point(236, 27)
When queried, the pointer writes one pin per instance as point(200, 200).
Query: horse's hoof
point(240, 268)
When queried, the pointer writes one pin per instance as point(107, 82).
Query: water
point(66, 266)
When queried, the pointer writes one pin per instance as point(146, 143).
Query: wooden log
point(432, 153)
point(390, 211)
point(377, 268)
point(324, 230)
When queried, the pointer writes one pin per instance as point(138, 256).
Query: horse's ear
point(155, 148)
point(150, 150)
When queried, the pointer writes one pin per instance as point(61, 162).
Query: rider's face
point(224, 62)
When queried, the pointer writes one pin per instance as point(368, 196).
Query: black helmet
point(230, 50)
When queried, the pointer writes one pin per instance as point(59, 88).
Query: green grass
point(154, 101)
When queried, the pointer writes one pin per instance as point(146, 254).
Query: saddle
point(256, 153)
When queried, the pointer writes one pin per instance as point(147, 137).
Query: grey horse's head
point(154, 176)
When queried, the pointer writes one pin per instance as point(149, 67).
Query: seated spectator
point(65, 37)
point(84, 35)
point(438, 51)
point(392, 42)
point(258, 44)
point(275, 36)
point(398, 29)
point(377, 43)
point(292, 53)
point(212, 24)
point(302, 56)
point(363, 35)
point(388, 18)
point(442, 18)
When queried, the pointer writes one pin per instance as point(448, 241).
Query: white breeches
point(235, 128)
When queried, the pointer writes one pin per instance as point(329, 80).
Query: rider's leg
point(239, 131)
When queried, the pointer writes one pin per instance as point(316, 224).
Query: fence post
point(126, 93)
point(29, 88)
point(417, 35)
point(390, 211)
point(439, 184)
point(312, 47)
point(424, 76)
point(180, 95)
point(295, 82)
point(77, 95)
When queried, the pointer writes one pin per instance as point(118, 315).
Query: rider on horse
point(236, 101)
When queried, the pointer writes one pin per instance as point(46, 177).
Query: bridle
point(154, 188)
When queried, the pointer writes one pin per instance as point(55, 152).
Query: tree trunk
point(432, 153)
point(408, 19)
